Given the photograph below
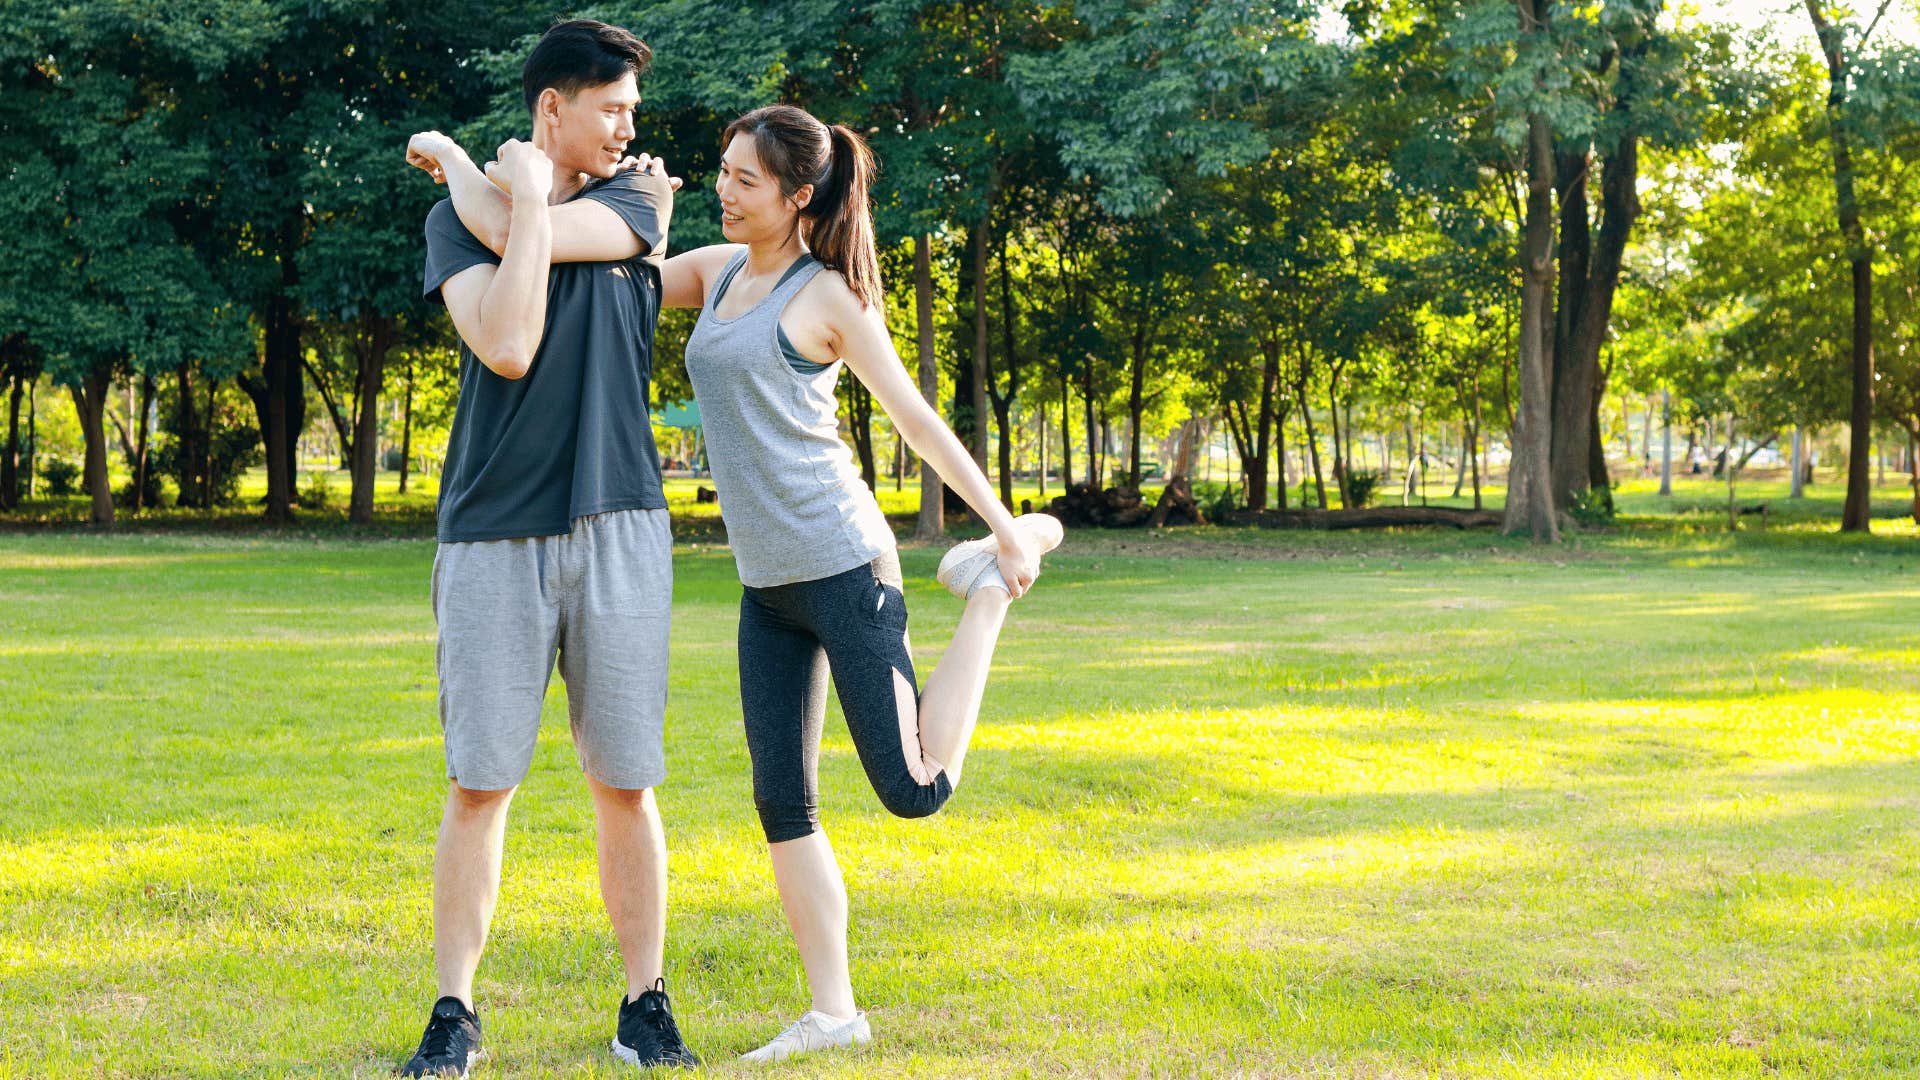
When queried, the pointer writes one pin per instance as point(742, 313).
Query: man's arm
point(501, 311)
point(583, 230)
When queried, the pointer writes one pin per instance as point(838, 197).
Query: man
point(552, 524)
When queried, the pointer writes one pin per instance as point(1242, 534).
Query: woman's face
point(752, 207)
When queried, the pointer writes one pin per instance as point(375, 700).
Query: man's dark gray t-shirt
point(572, 437)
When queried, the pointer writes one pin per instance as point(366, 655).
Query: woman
point(792, 298)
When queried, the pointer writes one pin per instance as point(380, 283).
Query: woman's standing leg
point(783, 697)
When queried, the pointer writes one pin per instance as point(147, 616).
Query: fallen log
point(1374, 517)
point(1176, 506)
point(1084, 506)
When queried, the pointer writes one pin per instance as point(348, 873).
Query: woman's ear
point(801, 197)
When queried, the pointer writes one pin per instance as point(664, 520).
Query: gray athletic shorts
point(601, 598)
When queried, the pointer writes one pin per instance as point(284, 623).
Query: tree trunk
point(373, 343)
point(1313, 443)
point(1044, 448)
point(141, 443)
point(1460, 467)
point(207, 494)
point(1666, 442)
point(932, 522)
point(860, 424)
point(1261, 445)
point(1106, 445)
point(1093, 450)
point(1579, 456)
point(1569, 385)
point(1066, 436)
point(90, 402)
point(406, 429)
point(1136, 402)
point(1858, 512)
point(1280, 463)
point(1598, 478)
point(1530, 506)
point(1339, 452)
point(1646, 436)
point(1796, 489)
point(1754, 449)
point(187, 425)
point(1913, 468)
point(274, 396)
point(979, 400)
point(1473, 446)
point(33, 434)
point(9, 464)
point(1003, 403)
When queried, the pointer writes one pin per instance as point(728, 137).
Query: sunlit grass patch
point(1274, 804)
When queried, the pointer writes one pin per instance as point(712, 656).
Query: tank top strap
point(726, 278)
point(795, 279)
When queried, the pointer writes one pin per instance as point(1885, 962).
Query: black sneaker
point(647, 1035)
point(451, 1044)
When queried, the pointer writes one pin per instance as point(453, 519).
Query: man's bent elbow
point(507, 363)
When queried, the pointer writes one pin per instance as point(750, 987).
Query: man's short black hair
point(579, 53)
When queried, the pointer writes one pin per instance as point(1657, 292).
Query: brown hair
point(837, 223)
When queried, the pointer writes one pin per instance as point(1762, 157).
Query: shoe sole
point(473, 1059)
point(632, 1057)
point(852, 1044)
point(965, 550)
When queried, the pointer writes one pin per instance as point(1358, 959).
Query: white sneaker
point(814, 1031)
point(974, 564)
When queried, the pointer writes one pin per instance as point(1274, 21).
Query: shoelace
point(439, 1037)
point(796, 1030)
point(660, 1017)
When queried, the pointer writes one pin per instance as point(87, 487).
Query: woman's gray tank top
point(792, 498)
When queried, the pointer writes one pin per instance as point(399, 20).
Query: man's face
point(592, 130)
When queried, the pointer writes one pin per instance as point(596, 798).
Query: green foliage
point(317, 492)
point(236, 448)
point(1218, 499)
point(1593, 507)
point(1363, 485)
point(62, 477)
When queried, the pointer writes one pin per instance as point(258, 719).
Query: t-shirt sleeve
point(645, 203)
point(450, 249)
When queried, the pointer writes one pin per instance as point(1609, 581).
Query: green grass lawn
point(1243, 803)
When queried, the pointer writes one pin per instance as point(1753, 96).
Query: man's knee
point(473, 801)
point(622, 800)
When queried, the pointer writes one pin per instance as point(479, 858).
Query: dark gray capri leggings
point(853, 624)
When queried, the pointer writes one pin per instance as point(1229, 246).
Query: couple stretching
point(553, 529)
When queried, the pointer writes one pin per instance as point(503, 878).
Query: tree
point(1841, 48)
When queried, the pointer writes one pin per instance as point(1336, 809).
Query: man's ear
point(546, 108)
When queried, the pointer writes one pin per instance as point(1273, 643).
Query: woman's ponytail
point(840, 217)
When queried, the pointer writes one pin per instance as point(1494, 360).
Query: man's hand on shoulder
point(652, 172)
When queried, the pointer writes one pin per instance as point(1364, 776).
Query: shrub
point(1218, 500)
point(1593, 506)
point(1363, 486)
point(62, 476)
point(235, 450)
point(318, 489)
